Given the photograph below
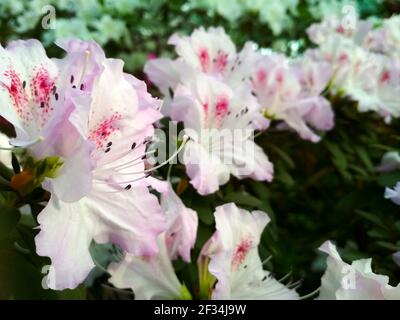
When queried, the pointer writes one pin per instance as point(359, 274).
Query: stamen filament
point(22, 147)
point(185, 139)
point(120, 182)
point(129, 163)
point(285, 277)
point(87, 55)
point(310, 294)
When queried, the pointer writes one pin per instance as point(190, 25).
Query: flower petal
point(205, 170)
point(65, 237)
point(182, 225)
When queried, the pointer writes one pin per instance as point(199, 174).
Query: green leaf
point(203, 234)
point(261, 189)
point(7, 199)
point(397, 225)
point(285, 177)
point(241, 198)
point(78, 293)
point(388, 245)
point(339, 159)
point(9, 218)
point(389, 179)
point(283, 155)
point(378, 233)
point(204, 210)
point(358, 170)
point(372, 218)
point(5, 171)
point(19, 278)
point(4, 184)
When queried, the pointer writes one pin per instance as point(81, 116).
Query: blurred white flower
point(342, 281)
point(396, 258)
point(361, 69)
point(5, 155)
point(390, 162)
point(393, 194)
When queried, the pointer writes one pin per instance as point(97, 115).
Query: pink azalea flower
point(365, 62)
point(356, 281)
point(386, 38)
point(114, 114)
point(28, 79)
point(234, 260)
point(356, 30)
point(36, 98)
point(291, 92)
point(220, 123)
point(154, 277)
point(208, 51)
point(208, 87)
point(151, 56)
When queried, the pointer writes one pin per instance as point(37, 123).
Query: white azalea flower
point(5, 155)
point(342, 281)
point(231, 256)
point(114, 115)
point(208, 51)
point(390, 162)
point(290, 92)
point(220, 123)
point(393, 194)
point(154, 277)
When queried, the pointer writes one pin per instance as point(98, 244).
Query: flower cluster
point(87, 127)
point(211, 86)
point(65, 108)
point(365, 61)
point(95, 121)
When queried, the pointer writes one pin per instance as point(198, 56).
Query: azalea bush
point(200, 150)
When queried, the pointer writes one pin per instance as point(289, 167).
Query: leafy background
point(330, 190)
